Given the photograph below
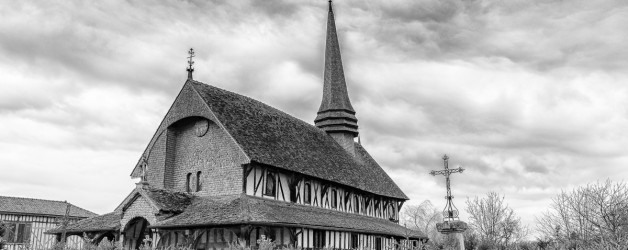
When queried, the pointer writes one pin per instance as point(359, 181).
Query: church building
point(224, 168)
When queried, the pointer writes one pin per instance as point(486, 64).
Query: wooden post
point(64, 224)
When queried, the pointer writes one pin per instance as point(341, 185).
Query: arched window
point(356, 204)
point(188, 182)
point(270, 184)
point(307, 193)
point(199, 181)
point(334, 198)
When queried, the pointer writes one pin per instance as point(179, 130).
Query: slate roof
point(19, 205)
point(270, 136)
point(244, 209)
point(105, 222)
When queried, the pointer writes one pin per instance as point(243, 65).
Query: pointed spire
point(190, 69)
point(335, 115)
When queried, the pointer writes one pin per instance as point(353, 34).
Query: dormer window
point(307, 193)
point(334, 198)
point(270, 184)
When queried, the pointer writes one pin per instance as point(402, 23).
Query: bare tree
point(424, 218)
point(594, 216)
point(495, 222)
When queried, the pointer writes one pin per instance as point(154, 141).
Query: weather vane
point(190, 69)
point(450, 213)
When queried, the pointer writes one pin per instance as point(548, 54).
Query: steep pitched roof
point(335, 113)
point(335, 95)
point(19, 205)
point(162, 200)
point(270, 136)
point(105, 222)
point(244, 209)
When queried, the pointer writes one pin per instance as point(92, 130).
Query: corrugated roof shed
point(19, 205)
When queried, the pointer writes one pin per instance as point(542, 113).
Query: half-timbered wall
point(292, 188)
point(37, 226)
point(220, 238)
point(342, 240)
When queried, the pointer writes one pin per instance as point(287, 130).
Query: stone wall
point(139, 208)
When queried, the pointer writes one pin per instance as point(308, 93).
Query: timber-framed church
point(224, 168)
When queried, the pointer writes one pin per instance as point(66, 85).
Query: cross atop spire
point(450, 213)
point(335, 115)
point(190, 69)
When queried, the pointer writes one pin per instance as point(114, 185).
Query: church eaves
point(335, 115)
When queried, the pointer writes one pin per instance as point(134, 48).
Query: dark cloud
point(542, 35)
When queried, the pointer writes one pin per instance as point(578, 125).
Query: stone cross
point(450, 212)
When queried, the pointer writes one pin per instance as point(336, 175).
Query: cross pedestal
point(455, 229)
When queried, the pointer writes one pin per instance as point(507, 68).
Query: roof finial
point(190, 63)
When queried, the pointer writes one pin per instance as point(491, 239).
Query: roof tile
point(244, 209)
point(272, 137)
point(21, 205)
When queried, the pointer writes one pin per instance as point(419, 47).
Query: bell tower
point(336, 115)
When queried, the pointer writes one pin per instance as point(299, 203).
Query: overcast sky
point(530, 96)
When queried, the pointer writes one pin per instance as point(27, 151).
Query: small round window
point(201, 127)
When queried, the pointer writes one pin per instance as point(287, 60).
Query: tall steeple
point(336, 115)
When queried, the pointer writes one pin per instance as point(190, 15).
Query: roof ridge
point(38, 199)
point(74, 211)
point(311, 126)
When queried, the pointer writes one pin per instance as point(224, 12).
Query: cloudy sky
point(530, 96)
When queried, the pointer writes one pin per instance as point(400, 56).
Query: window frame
point(18, 232)
point(307, 193)
point(273, 191)
point(334, 198)
point(355, 241)
point(319, 239)
point(199, 184)
point(188, 181)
